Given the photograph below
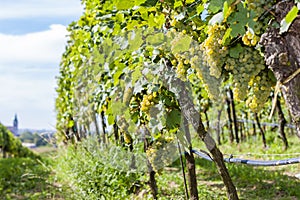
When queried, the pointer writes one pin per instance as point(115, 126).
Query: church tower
point(15, 125)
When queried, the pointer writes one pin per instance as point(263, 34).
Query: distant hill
point(39, 131)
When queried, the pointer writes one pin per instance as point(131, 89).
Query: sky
point(32, 39)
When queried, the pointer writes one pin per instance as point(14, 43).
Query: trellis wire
point(262, 154)
point(265, 123)
point(251, 162)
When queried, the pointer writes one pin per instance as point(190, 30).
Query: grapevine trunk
point(281, 51)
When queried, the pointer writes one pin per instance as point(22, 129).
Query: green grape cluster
point(214, 53)
point(250, 39)
point(218, 60)
point(162, 153)
point(148, 101)
point(182, 64)
point(244, 68)
point(261, 86)
point(155, 158)
point(211, 84)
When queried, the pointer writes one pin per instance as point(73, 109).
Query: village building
point(14, 129)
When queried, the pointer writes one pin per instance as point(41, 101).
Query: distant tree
point(40, 140)
point(12, 146)
point(27, 136)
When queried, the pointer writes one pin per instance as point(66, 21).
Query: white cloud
point(33, 48)
point(28, 66)
point(39, 8)
point(32, 99)
point(21, 86)
point(30, 62)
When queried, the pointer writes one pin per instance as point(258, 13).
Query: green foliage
point(116, 45)
point(289, 18)
point(11, 145)
point(85, 163)
point(26, 178)
point(120, 54)
point(92, 179)
point(35, 138)
point(27, 137)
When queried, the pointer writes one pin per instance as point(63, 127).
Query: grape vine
point(114, 64)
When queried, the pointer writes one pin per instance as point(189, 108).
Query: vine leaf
point(235, 51)
point(200, 9)
point(116, 76)
point(173, 119)
point(189, 1)
point(181, 44)
point(139, 2)
point(215, 5)
point(157, 118)
point(225, 9)
point(136, 75)
point(160, 20)
point(292, 14)
point(151, 20)
point(239, 20)
point(178, 4)
point(135, 40)
point(226, 35)
point(289, 18)
point(156, 39)
point(124, 5)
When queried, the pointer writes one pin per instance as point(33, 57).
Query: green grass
point(92, 179)
point(69, 174)
point(255, 182)
point(251, 182)
point(26, 178)
point(262, 183)
point(45, 151)
point(31, 178)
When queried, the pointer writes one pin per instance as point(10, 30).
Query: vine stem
point(193, 117)
point(182, 168)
